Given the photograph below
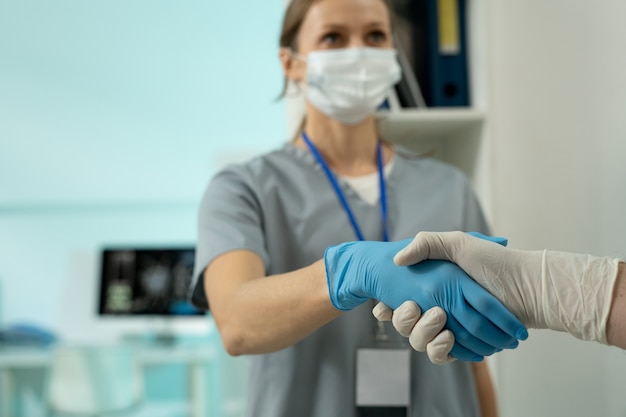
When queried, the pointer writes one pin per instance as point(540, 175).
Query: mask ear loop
point(297, 84)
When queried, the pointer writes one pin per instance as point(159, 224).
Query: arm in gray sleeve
point(230, 218)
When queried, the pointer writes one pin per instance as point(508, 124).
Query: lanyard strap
point(340, 195)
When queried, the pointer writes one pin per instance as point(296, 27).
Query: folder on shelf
point(439, 50)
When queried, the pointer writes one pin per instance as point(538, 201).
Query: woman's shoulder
point(278, 166)
point(283, 158)
point(427, 166)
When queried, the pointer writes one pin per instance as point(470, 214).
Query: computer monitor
point(149, 286)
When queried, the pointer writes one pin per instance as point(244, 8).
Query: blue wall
point(113, 116)
point(126, 101)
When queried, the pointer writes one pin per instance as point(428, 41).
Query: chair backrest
point(94, 380)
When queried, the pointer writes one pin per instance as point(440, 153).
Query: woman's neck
point(348, 150)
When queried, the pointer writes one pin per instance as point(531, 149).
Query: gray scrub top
point(281, 206)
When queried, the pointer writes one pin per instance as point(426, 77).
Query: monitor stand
point(156, 332)
point(164, 339)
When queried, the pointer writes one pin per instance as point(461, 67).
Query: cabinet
point(459, 136)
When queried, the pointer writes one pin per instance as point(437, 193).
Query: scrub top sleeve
point(230, 218)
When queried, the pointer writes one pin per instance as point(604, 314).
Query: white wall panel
point(558, 97)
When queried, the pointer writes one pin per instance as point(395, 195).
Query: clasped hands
point(462, 321)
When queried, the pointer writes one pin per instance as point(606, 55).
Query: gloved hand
point(426, 333)
point(358, 271)
point(546, 289)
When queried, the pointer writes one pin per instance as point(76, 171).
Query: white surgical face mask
point(350, 84)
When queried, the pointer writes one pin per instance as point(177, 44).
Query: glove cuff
point(337, 260)
point(612, 278)
point(577, 291)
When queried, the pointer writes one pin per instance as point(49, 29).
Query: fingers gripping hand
point(357, 271)
point(405, 317)
point(439, 348)
point(489, 264)
point(382, 312)
point(424, 331)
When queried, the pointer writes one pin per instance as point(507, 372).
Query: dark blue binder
point(441, 64)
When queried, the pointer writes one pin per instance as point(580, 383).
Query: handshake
point(479, 297)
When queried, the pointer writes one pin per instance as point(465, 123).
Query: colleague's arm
point(616, 325)
point(258, 314)
point(484, 389)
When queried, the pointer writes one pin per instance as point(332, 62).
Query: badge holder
point(383, 373)
point(383, 378)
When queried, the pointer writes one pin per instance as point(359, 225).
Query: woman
point(264, 226)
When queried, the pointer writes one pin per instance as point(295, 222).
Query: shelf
point(407, 127)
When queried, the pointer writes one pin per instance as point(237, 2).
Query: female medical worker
point(579, 294)
point(264, 225)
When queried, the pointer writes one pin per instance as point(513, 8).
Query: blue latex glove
point(359, 271)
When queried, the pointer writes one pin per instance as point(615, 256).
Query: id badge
point(383, 382)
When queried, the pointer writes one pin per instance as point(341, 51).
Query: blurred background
point(114, 115)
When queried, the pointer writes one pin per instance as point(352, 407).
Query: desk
point(195, 357)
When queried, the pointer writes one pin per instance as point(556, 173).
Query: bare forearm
point(484, 389)
point(271, 313)
point(616, 324)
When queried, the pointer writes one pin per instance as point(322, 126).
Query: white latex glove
point(560, 291)
point(424, 332)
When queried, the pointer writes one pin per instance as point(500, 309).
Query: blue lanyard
point(342, 198)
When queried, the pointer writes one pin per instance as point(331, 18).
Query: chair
point(94, 380)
